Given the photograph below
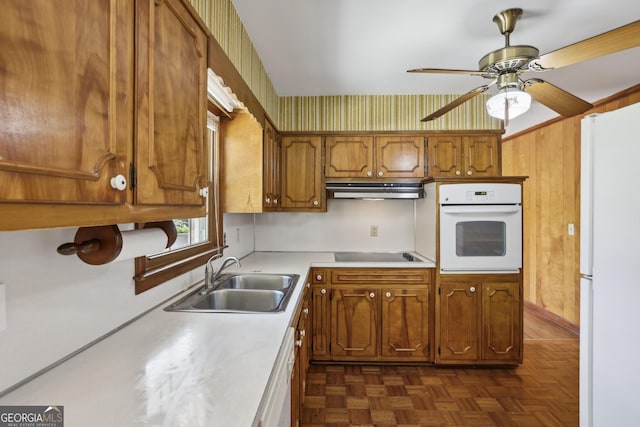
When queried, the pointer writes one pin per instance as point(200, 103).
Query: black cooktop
point(375, 257)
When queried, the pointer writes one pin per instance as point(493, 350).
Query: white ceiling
point(364, 47)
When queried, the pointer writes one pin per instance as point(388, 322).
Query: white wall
point(344, 227)
point(55, 304)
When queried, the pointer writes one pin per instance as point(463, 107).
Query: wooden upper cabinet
point(302, 178)
point(374, 157)
point(64, 118)
point(90, 89)
point(399, 157)
point(349, 156)
point(452, 155)
point(272, 152)
point(171, 104)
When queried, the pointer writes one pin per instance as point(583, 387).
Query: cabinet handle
point(472, 289)
point(316, 203)
point(372, 295)
point(469, 173)
point(380, 173)
point(319, 277)
point(369, 173)
point(119, 182)
point(458, 173)
point(323, 291)
point(204, 192)
point(388, 294)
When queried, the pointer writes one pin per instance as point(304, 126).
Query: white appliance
point(480, 227)
point(609, 260)
point(275, 408)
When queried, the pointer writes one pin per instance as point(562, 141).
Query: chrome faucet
point(210, 277)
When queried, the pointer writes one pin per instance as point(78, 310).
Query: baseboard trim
point(543, 313)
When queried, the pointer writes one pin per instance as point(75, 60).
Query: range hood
point(374, 190)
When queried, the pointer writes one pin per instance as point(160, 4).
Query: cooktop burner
point(375, 257)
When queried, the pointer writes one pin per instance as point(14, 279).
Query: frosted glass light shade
point(519, 103)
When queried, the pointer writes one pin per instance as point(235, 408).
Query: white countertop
point(176, 368)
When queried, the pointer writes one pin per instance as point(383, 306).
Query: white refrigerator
point(610, 269)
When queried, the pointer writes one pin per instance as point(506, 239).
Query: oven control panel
point(480, 194)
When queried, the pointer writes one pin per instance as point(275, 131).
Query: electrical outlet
point(237, 235)
point(571, 230)
point(373, 231)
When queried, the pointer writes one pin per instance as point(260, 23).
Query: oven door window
point(481, 238)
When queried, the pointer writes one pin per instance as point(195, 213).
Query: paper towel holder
point(101, 244)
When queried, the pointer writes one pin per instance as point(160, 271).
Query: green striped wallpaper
point(333, 113)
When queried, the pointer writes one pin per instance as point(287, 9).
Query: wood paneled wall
point(549, 155)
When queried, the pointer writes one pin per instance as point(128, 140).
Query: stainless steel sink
point(240, 293)
point(257, 281)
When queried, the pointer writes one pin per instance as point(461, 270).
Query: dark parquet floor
point(543, 391)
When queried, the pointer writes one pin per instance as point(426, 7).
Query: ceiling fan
point(504, 66)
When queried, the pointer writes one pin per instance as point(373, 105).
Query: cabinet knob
point(267, 200)
point(316, 203)
point(323, 291)
point(369, 173)
point(372, 295)
point(119, 183)
point(308, 285)
point(298, 343)
point(469, 173)
point(275, 201)
point(303, 333)
point(388, 294)
point(472, 289)
point(458, 173)
point(204, 192)
point(319, 277)
point(305, 311)
point(380, 173)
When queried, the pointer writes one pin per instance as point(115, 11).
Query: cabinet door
point(302, 179)
point(405, 323)
point(349, 156)
point(171, 104)
point(354, 322)
point(481, 156)
point(320, 324)
point(445, 156)
point(271, 159)
point(458, 322)
point(501, 321)
point(399, 157)
point(65, 122)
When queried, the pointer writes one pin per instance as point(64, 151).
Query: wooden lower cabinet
point(354, 322)
point(372, 315)
point(479, 319)
point(405, 323)
point(302, 324)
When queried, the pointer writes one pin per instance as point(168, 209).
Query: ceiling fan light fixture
point(518, 102)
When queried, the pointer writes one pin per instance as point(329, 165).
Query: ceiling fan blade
point(446, 71)
point(464, 98)
point(560, 101)
point(616, 40)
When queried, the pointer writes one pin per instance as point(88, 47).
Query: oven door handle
point(480, 209)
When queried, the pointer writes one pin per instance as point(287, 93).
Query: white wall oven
point(480, 227)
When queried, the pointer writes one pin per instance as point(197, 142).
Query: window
point(198, 238)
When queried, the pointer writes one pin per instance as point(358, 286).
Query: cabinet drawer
point(374, 275)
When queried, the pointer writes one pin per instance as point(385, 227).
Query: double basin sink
point(240, 293)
